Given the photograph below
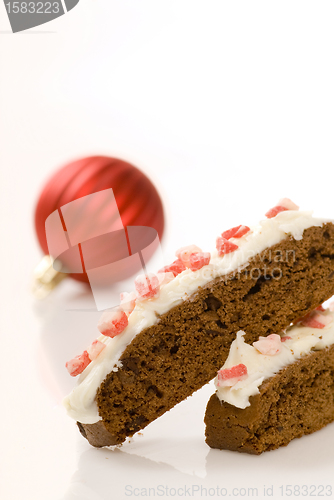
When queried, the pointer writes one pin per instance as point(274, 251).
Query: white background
point(227, 106)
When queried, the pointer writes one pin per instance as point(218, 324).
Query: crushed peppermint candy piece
point(283, 339)
point(316, 319)
point(283, 205)
point(77, 365)
point(325, 319)
point(311, 322)
point(227, 377)
point(198, 260)
point(331, 306)
point(287, 203)
point(165, 277)
point(225, 246)
point(128, 302)
point(274, 211)
point(112, 323)
point(147, 286)
point(269, 346)
point(320, 308)
point(176, 268)
point(95, 349)
point(235, 232)
point(184, 253)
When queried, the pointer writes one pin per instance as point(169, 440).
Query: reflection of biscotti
point(297, 401)
point(167, 362)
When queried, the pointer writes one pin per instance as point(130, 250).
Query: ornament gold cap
point(46, 278)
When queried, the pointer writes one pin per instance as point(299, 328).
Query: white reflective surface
point(228, 108)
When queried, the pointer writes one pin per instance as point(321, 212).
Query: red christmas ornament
point(137, 199)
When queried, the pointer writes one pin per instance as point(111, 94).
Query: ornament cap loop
point(46, 278)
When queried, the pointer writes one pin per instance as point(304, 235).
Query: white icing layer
point(80, 403)
point(260, 367)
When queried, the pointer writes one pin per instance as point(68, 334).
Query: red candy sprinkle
point(287, 203)
point(165, 277)
point(176, 268)
point(274, 211)
point(95, 349)
point(230, 376)
point(224, 246)
point(269, 346)
point(147, 286)
point(325, 319)
point(112, 323)
point(311, 322)
point(283, 339)
point(77, 365)
point(235, 232)
point(128, 302)
point(316, 320)
point(282, 205)
point(198, 260)
point(184, 253)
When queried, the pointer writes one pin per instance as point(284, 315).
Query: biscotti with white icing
point(278, 389)
point(260, 279)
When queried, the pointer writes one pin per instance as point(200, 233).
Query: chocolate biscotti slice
point(275, 390)
point(170, 338)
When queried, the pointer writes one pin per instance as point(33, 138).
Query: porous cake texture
point(297, 401)
point(166, 362)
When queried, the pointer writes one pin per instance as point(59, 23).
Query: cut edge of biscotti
point(277, 389)
point(200, 293)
